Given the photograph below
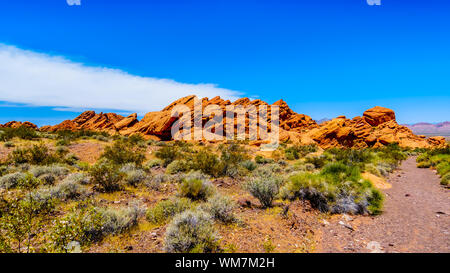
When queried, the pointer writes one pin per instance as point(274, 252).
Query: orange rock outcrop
point(375, 128)
point(17, 124)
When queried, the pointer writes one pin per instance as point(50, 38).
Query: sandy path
point(416, 218)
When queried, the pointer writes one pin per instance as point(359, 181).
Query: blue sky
point(325, 58)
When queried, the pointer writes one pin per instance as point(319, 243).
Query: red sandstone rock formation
point(17, 124)
point(375, 128)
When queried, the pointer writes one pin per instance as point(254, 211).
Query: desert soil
point(416, 218)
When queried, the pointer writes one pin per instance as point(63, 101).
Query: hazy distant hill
point(437, 129)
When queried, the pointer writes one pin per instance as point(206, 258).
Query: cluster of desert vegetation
point(132, 194)
point(438, 159)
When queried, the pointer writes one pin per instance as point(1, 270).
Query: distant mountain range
point(428, 129)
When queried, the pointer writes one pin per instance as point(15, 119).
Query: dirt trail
point(416, 218)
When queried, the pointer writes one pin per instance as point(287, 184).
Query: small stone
point(374, 247)
point(347, 218)
point(245, 203)
point(407, 195)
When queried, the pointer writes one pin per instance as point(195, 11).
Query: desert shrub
point(177, 166)
point(83, 225)
point(167, 154)
point(338, 188)
point(12, 180)
point(21, 219)
point(122, 152)
point(160, 178)
point(107, 175)
point(249, 165)
point(391, 153)
point(264, 189)
point(317, 161)
point(82, 166)
point(443, 167)
point(55, 170)
point(231, 157)
point(196, 175)
point(9, 144)
point(117, 221)
point(165, 210)
point(36, 155)
point(298, 151)
point(196, 189)
point(445, 179)
point(267, 170)
point(191, 231)
point(67, 190)
point(221, 208)
point(48, 179)
point(136, 177)
point(352, 157)
point(136, 139)
point(22, 132)
point(79, 178)
point(207, 162)
point(259, 159)
point(154, 163)
point(73, 135)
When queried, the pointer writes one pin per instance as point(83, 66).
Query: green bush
point(116, 221)
point(122, 152)
point(191, 231)
point(107, 175)
point(167, 209)
point(83, 225)
point(22, 132)
point(167, 154)
point(264, 189)
point(445, 179)
point(79, 178)
point(67, 190)
point(55, 170)
point(317, 161)
point(443, 167)
point(338, 188)
point(154, 163)
point(36, 155)
point(12, 180)
point(207, 162)
point(298, 151)
point(259, 159)
point(196, 189)
point(221, 208)
point(9, 144)
point(177, 166)
point(231, 157)
point(249, 165)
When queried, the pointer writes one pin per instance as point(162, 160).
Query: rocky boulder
point(378, 115)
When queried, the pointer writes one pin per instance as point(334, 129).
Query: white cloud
point(43, 80)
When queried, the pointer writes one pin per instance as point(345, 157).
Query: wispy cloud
point(42, 80)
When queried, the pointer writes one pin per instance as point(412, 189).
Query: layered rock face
point(375, 128)
point(89, 120)
point(17, 124)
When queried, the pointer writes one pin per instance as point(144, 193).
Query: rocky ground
point(415, 218)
